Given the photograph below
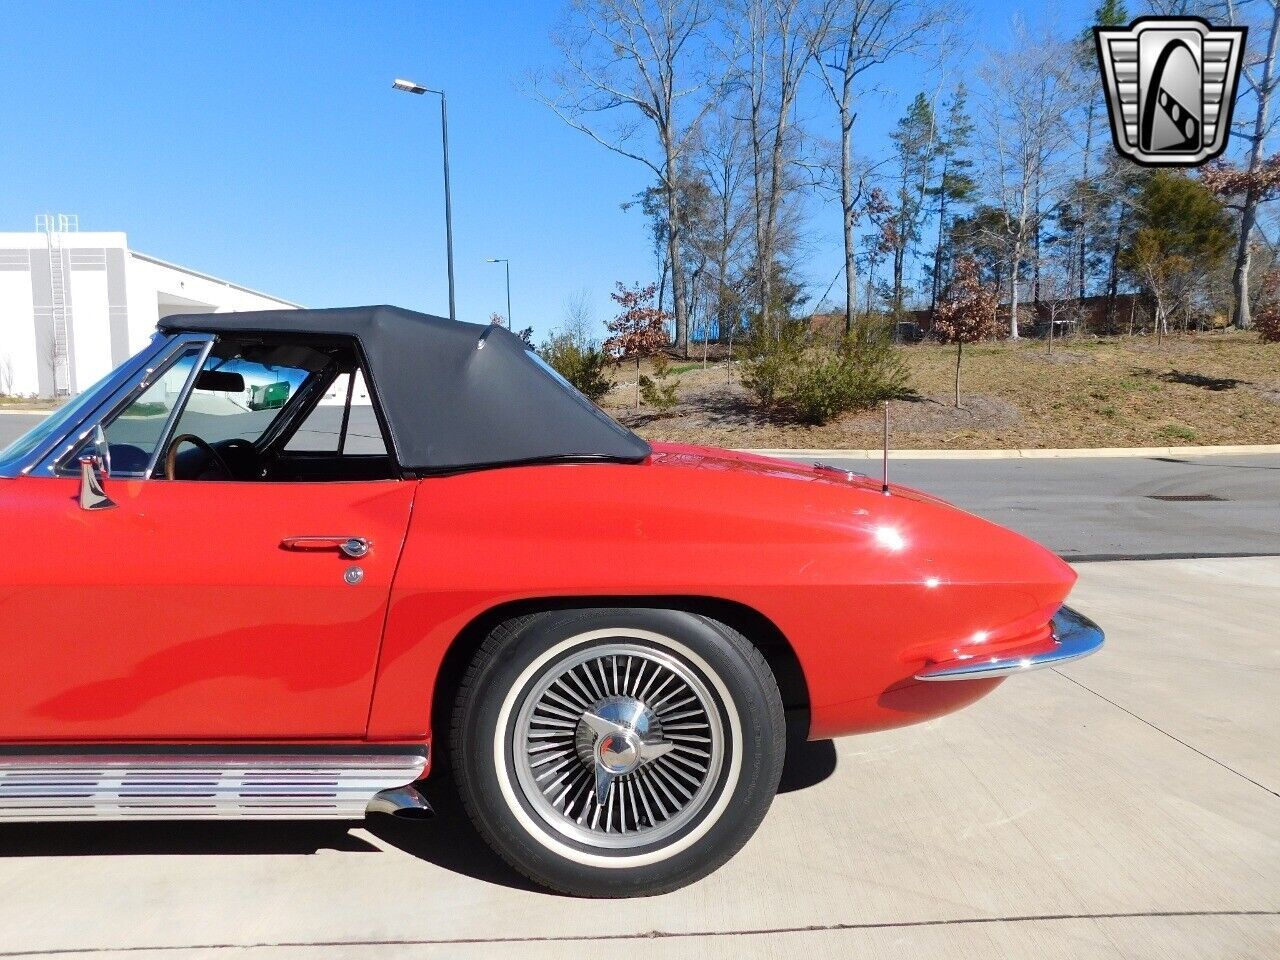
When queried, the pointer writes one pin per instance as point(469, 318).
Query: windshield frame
point(37, 452)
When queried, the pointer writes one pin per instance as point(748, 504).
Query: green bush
point(660, 389)
point(818, 380)
point(771, 361)
point(878, 371)
point(579, 361)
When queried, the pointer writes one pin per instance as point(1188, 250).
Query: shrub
point(660, 389)
point(770, 362)
point(1267, 318)
point(579, 361)
point(879, 372)
point(817, 382)
point(1177, 431)
point(1267, 322)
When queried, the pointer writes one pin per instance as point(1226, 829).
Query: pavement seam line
point(1015, 453)
point(1141, 719)
point(1137, 557)
point(653, 934)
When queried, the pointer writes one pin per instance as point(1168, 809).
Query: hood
point(714, 458)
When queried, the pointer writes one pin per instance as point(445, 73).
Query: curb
point(1025, 454)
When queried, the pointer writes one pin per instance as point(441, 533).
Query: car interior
point(261, 408)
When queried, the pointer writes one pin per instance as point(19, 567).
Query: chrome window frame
point(123, 374)
point(134, 377)
point(184, 397)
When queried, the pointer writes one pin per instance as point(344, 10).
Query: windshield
point(15, 455)
point(243, 407)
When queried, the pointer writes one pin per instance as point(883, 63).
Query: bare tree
point(1056, 282)
point(1033, 94)
point(55, 360)
point(864, 34)
point(779, 38)
point(725, 166)
point(6, 375)
point(636, 64)
point(579, 317)
point(1262, 77)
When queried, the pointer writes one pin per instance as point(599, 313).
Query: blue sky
point(263, 143)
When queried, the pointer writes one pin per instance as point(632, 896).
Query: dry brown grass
point(1209, 388)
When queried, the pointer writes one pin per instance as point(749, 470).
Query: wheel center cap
point(618, 753)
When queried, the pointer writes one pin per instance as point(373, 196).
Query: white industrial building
point(74, 305)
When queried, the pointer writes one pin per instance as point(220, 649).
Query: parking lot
point(1125, 806)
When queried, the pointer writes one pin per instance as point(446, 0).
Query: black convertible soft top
point(454, 396)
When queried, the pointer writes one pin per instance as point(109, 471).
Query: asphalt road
point(1085, 508)
point(1124, 807)
point(1110, 507)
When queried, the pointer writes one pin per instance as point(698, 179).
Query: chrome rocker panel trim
point(1076, 635)
point(281, 785)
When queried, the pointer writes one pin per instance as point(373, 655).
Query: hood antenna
point(884, 484)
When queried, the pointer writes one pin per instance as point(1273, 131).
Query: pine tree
point(915, 144)
point(1110, 13)
point(956, 184)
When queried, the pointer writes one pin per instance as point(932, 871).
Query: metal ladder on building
point(53, 226)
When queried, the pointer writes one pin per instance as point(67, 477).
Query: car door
point(185, 613)
point(191, 610)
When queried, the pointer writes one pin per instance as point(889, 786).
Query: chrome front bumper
point(1076, 636)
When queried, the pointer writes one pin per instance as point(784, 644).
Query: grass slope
point(1216, 388)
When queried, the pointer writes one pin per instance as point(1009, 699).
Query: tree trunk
point(899, 266)
point(679, 295)
point(662, 282)
point(959, 354)
point(1015, 267)
point(1113, 283)
point(1084, 183)
point(848, 218)
point(937, 252)
point(1249, 214)
point(1035, 259)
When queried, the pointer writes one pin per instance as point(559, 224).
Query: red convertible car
point(428, 548)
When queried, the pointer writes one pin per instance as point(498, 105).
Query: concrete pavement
point(1127, 806)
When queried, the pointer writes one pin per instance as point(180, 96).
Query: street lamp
point(408, 86)
point(507, 264)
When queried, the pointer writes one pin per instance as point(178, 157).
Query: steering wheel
point(243, 455)
point(171, 458)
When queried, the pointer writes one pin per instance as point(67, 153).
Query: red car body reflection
point(177, 635)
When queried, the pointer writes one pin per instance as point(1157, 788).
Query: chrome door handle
point(353, 547)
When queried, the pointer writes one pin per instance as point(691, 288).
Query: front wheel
point(617, 752)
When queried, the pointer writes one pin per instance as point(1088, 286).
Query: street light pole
point(408, 86)
point(507, 264)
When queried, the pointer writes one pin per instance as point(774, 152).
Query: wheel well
point(752, 624)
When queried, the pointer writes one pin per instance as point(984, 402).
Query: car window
point(16, 453)
point(238, 399)
point(135, 432)
point(321, 431)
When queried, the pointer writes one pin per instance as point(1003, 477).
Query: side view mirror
point(95, 468)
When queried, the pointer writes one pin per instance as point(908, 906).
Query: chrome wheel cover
point(619, 745)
